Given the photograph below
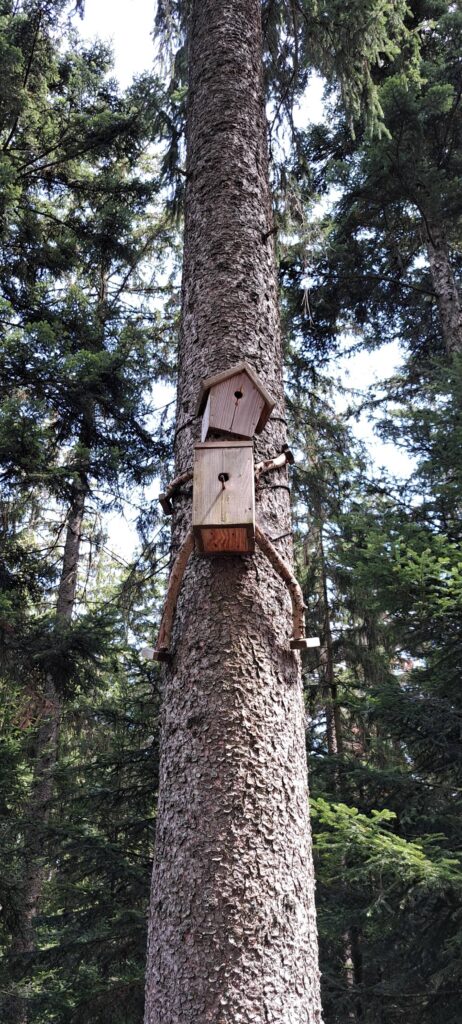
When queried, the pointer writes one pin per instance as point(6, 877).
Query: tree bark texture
point(446, 289)
point(232, 932)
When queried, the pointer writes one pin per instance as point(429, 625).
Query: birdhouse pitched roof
point(233, 371)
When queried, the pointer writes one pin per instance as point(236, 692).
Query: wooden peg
point(173, 488)
point(302, 643)
point(167, 506)
point(277, 462)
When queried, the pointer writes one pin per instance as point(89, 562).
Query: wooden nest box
point(234, 402)
point(224, 497)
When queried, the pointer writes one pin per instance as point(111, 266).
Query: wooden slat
point(229, 443)
point(224, 516)
point(232, 540)
point(252, 378)
point(231, 414)
point(206, 419)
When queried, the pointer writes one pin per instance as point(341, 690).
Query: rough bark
point(232, 933)
point(446, 289)
point(37, 812)
point(68, 579)
point(354, 971)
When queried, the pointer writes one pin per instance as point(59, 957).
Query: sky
point(128, 25)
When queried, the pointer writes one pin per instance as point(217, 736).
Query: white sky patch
point(310, 110)
point(363, 371)
point(128, 26)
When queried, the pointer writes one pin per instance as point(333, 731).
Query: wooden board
point(252, 378)
point(224, 511)
point(233, 414)
point(237, 540)
point(206, 420)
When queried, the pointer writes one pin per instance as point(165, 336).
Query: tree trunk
point(232, 932)
point(446, 289)
point(37, 812)
point(326, 654)
point(354, 971)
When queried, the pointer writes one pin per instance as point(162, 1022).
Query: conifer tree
point(392, 264)
point(230, 939)
point(76, 363)
point(232, 930)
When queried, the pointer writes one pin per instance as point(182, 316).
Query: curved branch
point(292, 584)
point(161, 652)
point(173, 487)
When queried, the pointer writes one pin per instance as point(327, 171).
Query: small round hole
point(238, 394)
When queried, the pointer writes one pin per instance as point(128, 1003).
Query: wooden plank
point(229, 540)
point(304, 642)
point(224, 509)
point(206, 420)
point(238, 368)
point(218, 502)
point(235, 406)
point(228, 443)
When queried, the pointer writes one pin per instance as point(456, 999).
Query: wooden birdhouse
point(224, 497)
point(234, 402)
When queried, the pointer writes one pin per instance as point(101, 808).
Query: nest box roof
point(234, 371)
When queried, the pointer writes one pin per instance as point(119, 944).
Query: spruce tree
point(232, 931)
point(392, 264)
point(77, 359)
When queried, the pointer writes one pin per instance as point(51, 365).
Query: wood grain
point(242, 367)
point(206, 420)
point(231, 414)
point(234, 540)
point(220, 506)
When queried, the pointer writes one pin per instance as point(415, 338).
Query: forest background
point(90, 233)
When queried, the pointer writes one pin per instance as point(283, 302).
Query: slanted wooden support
point(161, 652)
point(298, 640)
point(173, 487)
point(277, 462)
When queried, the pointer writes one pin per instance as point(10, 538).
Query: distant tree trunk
point(446, 289)
point(354, 971)
point(326, 653)
point(352, 955)
point(37, 813)
point(232, 932)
